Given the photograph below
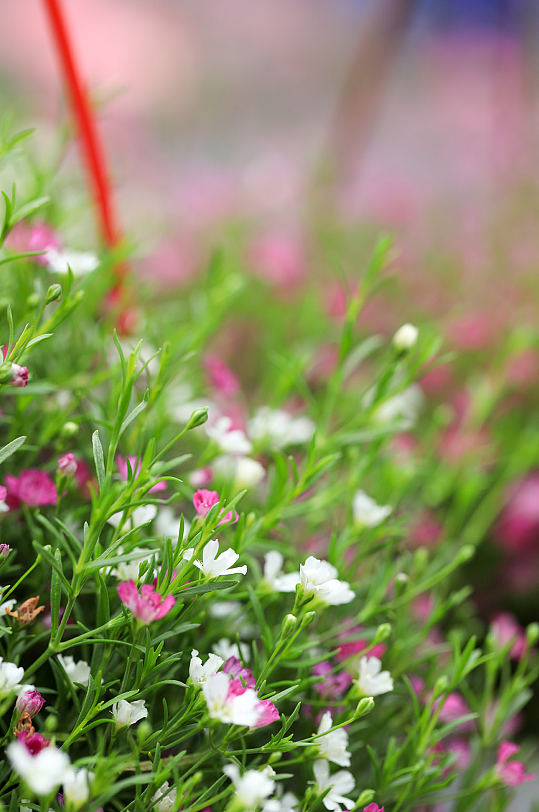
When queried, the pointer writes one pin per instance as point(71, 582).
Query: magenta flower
point(33, 487)
point(29, 702)
point(518, 526)
point(330, 685)
point(452, 709)
point(34, 742)
point(146, 606)
point(267, 713)
point(35, 237)
point(19, 375)
point(237, 671)
point(505, 630)
point(204, 500)
point(135, 464)
point(513, 773)
point(221, 377)
point(5, 549)
point(68, 464)
point(373, 808)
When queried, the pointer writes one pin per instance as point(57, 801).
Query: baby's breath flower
point(78, 672)
point(339, 783)
point(371, 680)
point(213, 565)
point(366, 512)
point(199, 671)
point(252, 788)
point(333, 745)
point(42, 772)
point(129, 713)
point(10, 677)
point(318, 578)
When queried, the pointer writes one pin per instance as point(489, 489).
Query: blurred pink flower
point(518, 526)
point(221, 377)
point(135, 464)
point(33, 237)
point(425, 530)
point(505, 629)
point(68, 464)
point(278, 257)
point(511, 773)
point(331, 684)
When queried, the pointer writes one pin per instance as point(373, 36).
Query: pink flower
point(373, 808)
point(34, 742)
point(518, 526)
point(201, 477)
point(29, 702)
point(221, 376)
point(4, 507)
point(426, 530)
point(505, 630)
point(204, 500)
point(331, 685)
point(19, 375)
point(511, 773)
point(146, 606)
point(68, 464)
point(235, 668)
point(267, 713)
point(134, 464)
point(452, 708)
point(36, 237)
point(351, 648)
point(460, 748)
point(5, 549)
point(279, 258)
point(33, 487)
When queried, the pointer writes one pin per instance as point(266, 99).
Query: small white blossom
point(42, 772)
point(222, 609)
point(80, 262)
point(225, 649)
point(76, 671)
point(8, 605)
point(229, 440)
point(287, 803)
point(252, 788)
point(273, 575)
point(168, 524)
point(139, 516)
point(371, 680)
point(233, 710)
point(165, 798)
point(366, 512)
point(213, 565)
point(129, 713)
point(338, 783)
point(77, 786)
point(405, 337)
point(320, 579)
point(129, 570)
point(333, 746)
point(199, 671)
point(10, 677)
point(243, 472)
point(405, 406)
point(279, 429)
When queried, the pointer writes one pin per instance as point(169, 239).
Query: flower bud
point(29, 702)
point(288, 625)
point(67, 464)
point(365, 798)
point(54, 292)
point(405, 337)
point(382, 633)
point(198, 417)
point(440, 687)
point(32, 301)
point(5, 550)
point(364, 706)
point(51, 723)
point(307, 619)
point(19, 375)
point(143, 731)
point(421, 557)
point(69, 429)
point(401, 582)
point(465, 553)
point(532, 633)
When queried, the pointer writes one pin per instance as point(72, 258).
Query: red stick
point(92, 151)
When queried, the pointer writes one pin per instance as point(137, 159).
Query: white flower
point(333, 746)
point(371, 680)
point(225, 649)
point(252, 788)
point(77, 786)
point(273, 575)
point(319, 578)
point(405, 337)
point(80, 262)
point(367, 512)
point(404, 407)
point(279, 429)
point(288, 803)
point(139, 516)
point(213, 565)
point(222, 609)
point(129, 713)
point(10, 677)
point(165, 798)
point(168, 524)
point(76, 671)
point(42, 772)
point(338, 783)
point(199, 671)
point(7, 605)
point(229, 440)
point(243, 472)
point(233, 710)
point(128, 570)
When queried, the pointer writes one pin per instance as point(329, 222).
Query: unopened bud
point(51, 723)
point(143, 731)
point(401, 582)
point(532, 633)
point(288, 625)
point(67, 464)
point(421, 558)
point(440, 687)
point(405, 337)
point(29, 702)
point(69, 429)
point(307, 619)
point(54, 292)
point(365, 798)
point(382, 633)
point(5, 550)
point(465, 553)
point(198, 417)
point(364, 706)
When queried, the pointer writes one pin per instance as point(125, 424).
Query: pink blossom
point(34, 742)
point(417, 684)
point(5, 549)
point(350, 648)
point(201, 477)
point(278, 257)
point(373, 808)
point(19, 375)
point(235, 668)
point(221, 377)
point(146, 606)
point(135, 464)
point(267, 713)
point(29, 702)
point(33, 487)
point(506, 629)
point(204, 500)
point(518, 526)
point(425, 530)
point(4, 507)
point(331, 685)
point(68, 464)
point(460, 748)
point(35, 237)
point(511, 773)
point(452, 708)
